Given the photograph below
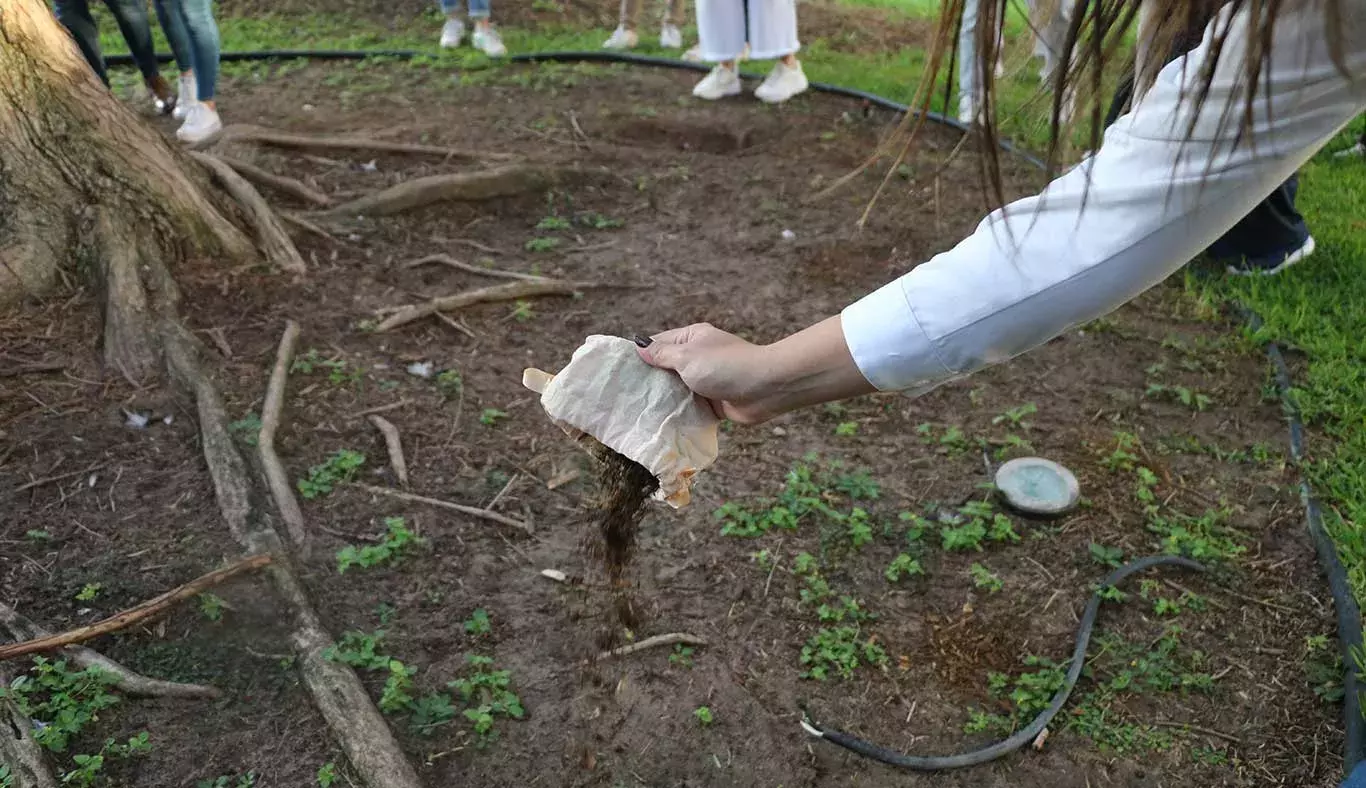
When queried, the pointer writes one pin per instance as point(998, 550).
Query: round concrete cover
point(1038, 486)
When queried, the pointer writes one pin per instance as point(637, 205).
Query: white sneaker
point(622, 39)
point(670, 37)
point(721, 82)
point(202, 124)
point(1357, 151)
point(487, 40)
point(781, 84)
point(452, 33)
point(186, 97)
point(694, 55)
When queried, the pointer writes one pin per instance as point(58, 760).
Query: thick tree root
point(265, 442)
point(24, 756)
point(147, 610)
point(394, 444)
point(270, 234)
point(280, 183)
point(20, 627)
point(262, 136)
point(483, 295)
point(475, 186)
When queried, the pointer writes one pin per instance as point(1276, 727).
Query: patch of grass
point(553, 223)
point(338, 469)
point(89, 592)
point(542, 244)
point(359, 650)
point(951, 440)
point(89, 767)
point(846, 429)
point(808, 490)
point(397, 540)
point(1015, 417)
point(969, 525)
point(1123, 457)
point(1323, 668)
point(840, 651)
point(703, 716)
point(1186, 396)
point(487, 695)
point(489, 417)
point(983, 579)
point(338, 371)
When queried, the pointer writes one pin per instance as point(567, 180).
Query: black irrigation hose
point(1021, 738)
point(584, 57)
point(1348, 613)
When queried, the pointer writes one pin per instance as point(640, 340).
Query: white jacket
point(1155, 199)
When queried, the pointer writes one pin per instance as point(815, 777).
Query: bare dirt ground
point(687, 204)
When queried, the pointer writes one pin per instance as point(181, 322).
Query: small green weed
point(36, 536)
point(840, 650)
point(1015, 416)
point(522, 311)
point(983, 578)
point(337, 469)
point(1123, 457)
point(1188, 397)
point(89, 592)
point(1106, 556)
point(553, 223)
point(67, 700)
point(338, 372)
point(449, 384)
point(846, 429)
point(247, 780)
point(430, 712)
point(246, 429)
point(859, 529)
point(703, 715)
point(359, 650)
point(598, 221)
point(398, 685)
point(542, 244)
point(478, 623)
point(489, 417)
point(397, 540)
point(88, 767)
point(967, 536)
point(211, 606)
point(681, 656)
point(486, 695)
point(1323, 668)
point(327, 775)
point(902, 566)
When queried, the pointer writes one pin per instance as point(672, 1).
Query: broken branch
point(262, 136)
point(281, 183)
point(394, 444)
point(271, 237)
point(445, 259)
point(134, 615)
point(484, 295)
point(671, 639)
point(265, 442)
point(505, 181)
point(472, 511)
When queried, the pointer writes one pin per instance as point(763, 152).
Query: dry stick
point(20, 627)
point(262, 136)
point(445, 259)
point(673, 638)
point(453, 323)
point(506, 181)
point(57, 478)
point(394, 444)
point(265, 442)
point(484, 295)
point(290, 186)
point(360, 414)
point(1197, 729)
point(271, 237)
point(308, 226)
point(472, 511)
point(476, 245)
point(131, 616)
point(340, 697)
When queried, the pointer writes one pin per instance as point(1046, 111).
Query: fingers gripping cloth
point(649, 415)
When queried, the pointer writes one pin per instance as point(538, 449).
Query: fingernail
point(642, 341)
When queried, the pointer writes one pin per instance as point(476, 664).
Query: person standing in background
point(131, 17)
point(192, 33)
point(670, 33)
point(772, 34)
point(485, 37)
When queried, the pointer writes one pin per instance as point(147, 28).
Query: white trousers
point(772, 29)
point(1050, 17)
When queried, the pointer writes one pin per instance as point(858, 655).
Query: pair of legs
point(485, 38)
point(131, 16)
point(1050, 20)
point(768, 27)
point(193, 34)
point(670, 33)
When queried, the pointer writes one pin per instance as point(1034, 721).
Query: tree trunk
point(87, 185)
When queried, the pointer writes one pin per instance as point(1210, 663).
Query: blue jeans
point(193, 35)
point(479, 9)
point(131, 16)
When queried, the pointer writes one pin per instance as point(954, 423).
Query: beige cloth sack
point(609, 393)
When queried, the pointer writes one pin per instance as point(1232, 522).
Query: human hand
point(750, 384)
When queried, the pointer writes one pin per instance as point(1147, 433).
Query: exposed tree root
point(505, 181)
point(472, 511)
point(394, 444)
point(20, 627)
point(484, 295)
point(280, 183)
point(270, 235)
point(306, 225)
point(265, 442)
point(673, 638)
point(149, 609)
point(24, 756)
point(447, 260)
point(263, 136)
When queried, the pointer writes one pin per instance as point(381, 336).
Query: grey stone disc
point(1034, 485)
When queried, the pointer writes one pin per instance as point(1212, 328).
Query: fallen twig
point(308, 226)
point(57, 478)
point(476, 245)
point(271, 237)
point(290, 186)
point(671, 639)
point(31, 369)
point(476, 186)
point(516, 477)
point(457, 325)
point(144, 611)
point(1197, 729)
point(20, 627)
point(445, 259)
point(484, 295)
point(472, 511)
point(265, 442)
point(263, 136)
point(591, 248)
point(360, 414)
point(394, 444)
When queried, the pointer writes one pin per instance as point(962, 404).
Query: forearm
point(808, 368)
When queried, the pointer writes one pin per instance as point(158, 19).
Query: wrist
point(808, 368)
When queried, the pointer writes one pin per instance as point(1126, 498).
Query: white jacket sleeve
point(1148, 201)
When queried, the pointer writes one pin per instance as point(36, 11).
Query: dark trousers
point(1273, 227)
point(131, 16)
